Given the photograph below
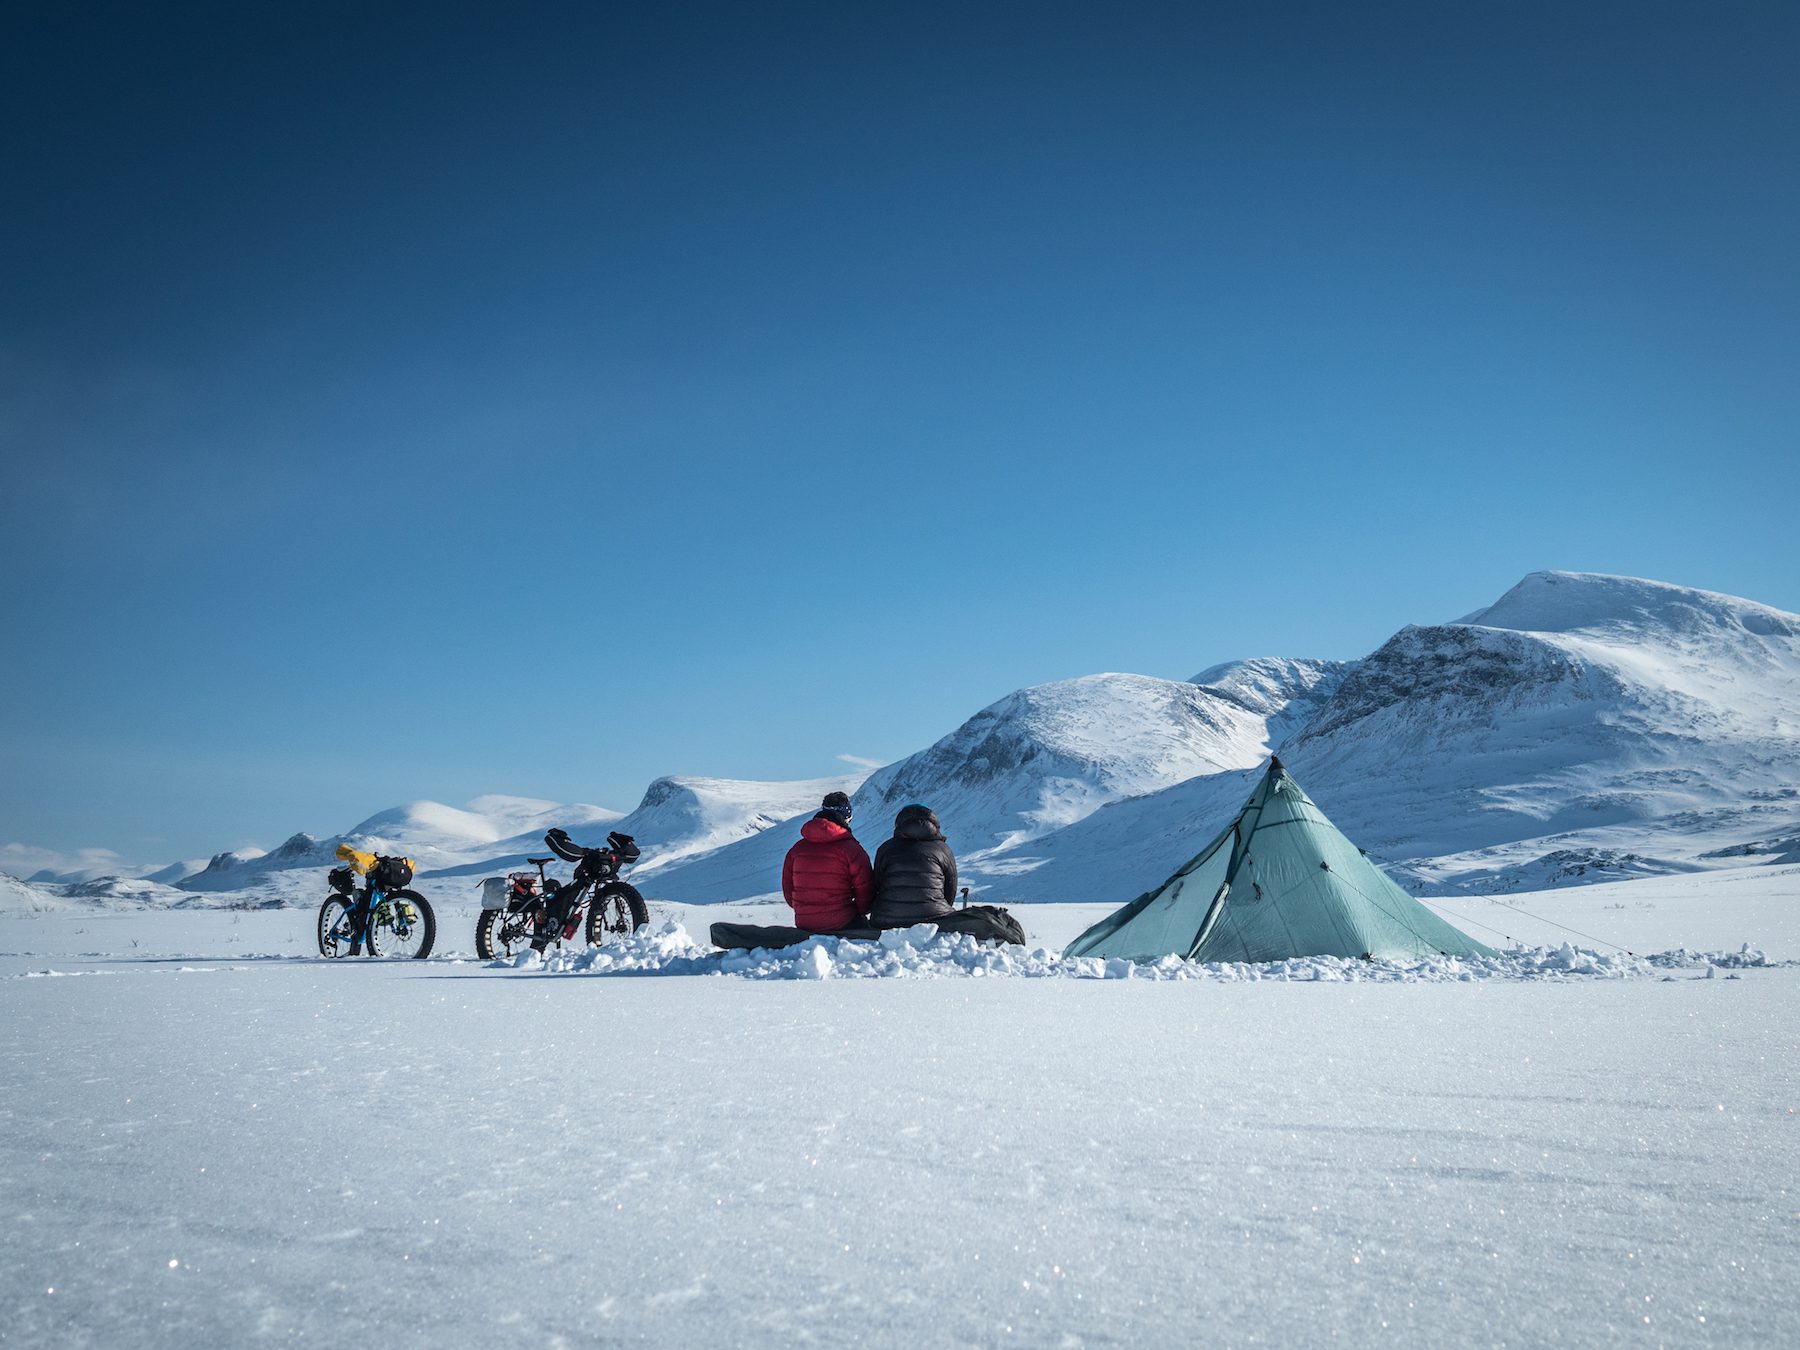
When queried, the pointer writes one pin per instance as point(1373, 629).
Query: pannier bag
point(343, 880)
point(493, 893)
point(391, 874)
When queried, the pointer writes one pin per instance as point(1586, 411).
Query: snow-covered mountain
point(1581, 728)
point(677, 818)
point(681, 817)
point(1039, 760)
point(437, 837)
point(1287, 693)
point(28, 897)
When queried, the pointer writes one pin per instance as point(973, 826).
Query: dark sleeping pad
point(746, 936)
point(980, 921)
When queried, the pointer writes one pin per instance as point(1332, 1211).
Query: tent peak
point(1275, 764)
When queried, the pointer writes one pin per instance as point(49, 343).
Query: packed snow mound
point(922, 952)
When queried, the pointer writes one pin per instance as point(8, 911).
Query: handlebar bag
point(391, 874)
point(564, 847)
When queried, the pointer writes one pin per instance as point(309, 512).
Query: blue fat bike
point(379, 916)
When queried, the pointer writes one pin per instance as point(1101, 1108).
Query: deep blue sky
point(436, 401)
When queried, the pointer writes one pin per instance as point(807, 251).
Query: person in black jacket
point(915, 872)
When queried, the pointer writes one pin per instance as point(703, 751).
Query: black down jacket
point(915, 872)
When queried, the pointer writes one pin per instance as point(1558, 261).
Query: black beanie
point(836, 804)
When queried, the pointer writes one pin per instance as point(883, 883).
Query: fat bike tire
point(489, 945)
point(616, 911)
point(331, 917)
point(383, 940)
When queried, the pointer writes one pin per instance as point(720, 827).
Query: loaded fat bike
point(380, 916)
point(520, 909)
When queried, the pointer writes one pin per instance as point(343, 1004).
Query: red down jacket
point(826, 877)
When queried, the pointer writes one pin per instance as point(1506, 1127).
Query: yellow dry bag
point(361, 861)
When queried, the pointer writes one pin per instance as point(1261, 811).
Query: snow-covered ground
point(210, 1137)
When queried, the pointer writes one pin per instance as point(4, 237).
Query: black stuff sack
point(391, 874)
point(986, 923)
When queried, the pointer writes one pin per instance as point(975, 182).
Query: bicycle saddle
point(538, 862)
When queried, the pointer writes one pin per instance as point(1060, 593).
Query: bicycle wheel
point(403, 927)
point(493, 940)
point(617, 911)
point(334, 927)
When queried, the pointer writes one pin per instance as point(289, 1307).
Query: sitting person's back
point(825, 877)
point(915, 872)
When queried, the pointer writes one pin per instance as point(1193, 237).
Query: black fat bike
point(380, 917)
point(520, 909)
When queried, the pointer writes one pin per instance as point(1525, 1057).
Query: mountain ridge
point(1582, 725)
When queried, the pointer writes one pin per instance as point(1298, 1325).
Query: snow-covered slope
point(1032, 763)
point(1583, 727)
point(1583, 711)
point(26, 897)
point(436, 836)
point(681, 817)
point(678, 818)
point(1286, 692)
point(1046, 756)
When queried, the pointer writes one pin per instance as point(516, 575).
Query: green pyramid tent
point(1279, 882)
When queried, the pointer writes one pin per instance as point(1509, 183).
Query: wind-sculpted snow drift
point(922, 952)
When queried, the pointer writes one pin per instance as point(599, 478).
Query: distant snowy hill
point(681, 817)
point(27, 897)
point(677, 818)
point(435, 836)
point(1037, 761)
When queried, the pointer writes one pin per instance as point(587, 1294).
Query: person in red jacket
point(826, 877)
